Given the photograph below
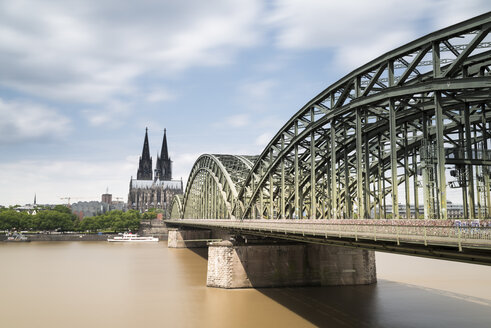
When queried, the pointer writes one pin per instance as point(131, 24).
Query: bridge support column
point(179, 238)
point(279, 265)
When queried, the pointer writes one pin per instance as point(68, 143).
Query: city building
point(29, 208)
point(454, 211)
point(156, 190)
point(107, 198)
point(88, 209)
point(93, 208)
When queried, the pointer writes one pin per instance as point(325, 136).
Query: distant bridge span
point(400, 129)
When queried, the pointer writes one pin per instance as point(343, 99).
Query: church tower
point(145, 166)
point(146, 193)
point(163, 169)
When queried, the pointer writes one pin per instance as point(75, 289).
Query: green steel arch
point(397, 130)
point(176, 207)
point(213, 185)
point(418, 107)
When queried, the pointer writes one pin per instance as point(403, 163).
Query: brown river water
point(99, 284)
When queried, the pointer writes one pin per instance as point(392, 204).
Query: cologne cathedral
point(153, 189)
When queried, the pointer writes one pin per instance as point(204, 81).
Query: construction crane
point(68, 198)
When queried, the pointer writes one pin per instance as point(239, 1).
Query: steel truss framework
point(391, 132)
point(212, 189)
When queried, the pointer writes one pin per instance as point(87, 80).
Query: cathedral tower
point(146, 193)
point(145, 166)
point(163, 169)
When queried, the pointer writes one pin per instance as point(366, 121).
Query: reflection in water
point(462, 278)
point(387, 304)
point(84, 284)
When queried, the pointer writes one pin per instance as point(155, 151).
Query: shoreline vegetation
point(60, 220)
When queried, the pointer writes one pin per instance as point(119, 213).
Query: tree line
point(60, 218)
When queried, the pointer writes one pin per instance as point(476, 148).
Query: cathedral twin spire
point(145, 165)
point(163, 168)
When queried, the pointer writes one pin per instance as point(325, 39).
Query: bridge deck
point(468, 244)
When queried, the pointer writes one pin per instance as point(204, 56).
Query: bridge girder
point(176, 207)
point(211, 190)
point(348, 151)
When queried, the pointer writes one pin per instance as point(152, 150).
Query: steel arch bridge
point(400, 129)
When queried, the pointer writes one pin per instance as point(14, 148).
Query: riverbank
point(154, 228)
point(76, 237)
point(148, 228)
point(64, 237)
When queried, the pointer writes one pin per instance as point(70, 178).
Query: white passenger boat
point(132, 237)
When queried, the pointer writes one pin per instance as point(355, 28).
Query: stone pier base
point(233, 266)
point(179, 238)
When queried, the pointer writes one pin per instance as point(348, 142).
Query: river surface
point(98, 284)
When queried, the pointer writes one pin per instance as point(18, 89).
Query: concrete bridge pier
point(233, 265)
point(188, 238)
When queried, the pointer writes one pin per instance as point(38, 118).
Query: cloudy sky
point(81, 79)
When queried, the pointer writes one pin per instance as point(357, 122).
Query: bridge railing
point(381, 230)
point(421, 234)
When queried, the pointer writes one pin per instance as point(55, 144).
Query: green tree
point(54, 220)
point(116, 221)
point(150, 215)
point(25, 221)
point(62, 209)
point(90, 224)
point(9, 219)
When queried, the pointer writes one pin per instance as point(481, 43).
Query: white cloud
point(271, 122)
point(258, 90)
point(317, 23)
point(233, 121)
point(159, 95)
point(109, 115)
point(257, 95)
point(351, 56)
point(263, 139)
point(237, 121)
point(96, 51)
point(23, 121)
point(51, 180)
point(182, 164)
point(452, 12)
point(359, 32)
